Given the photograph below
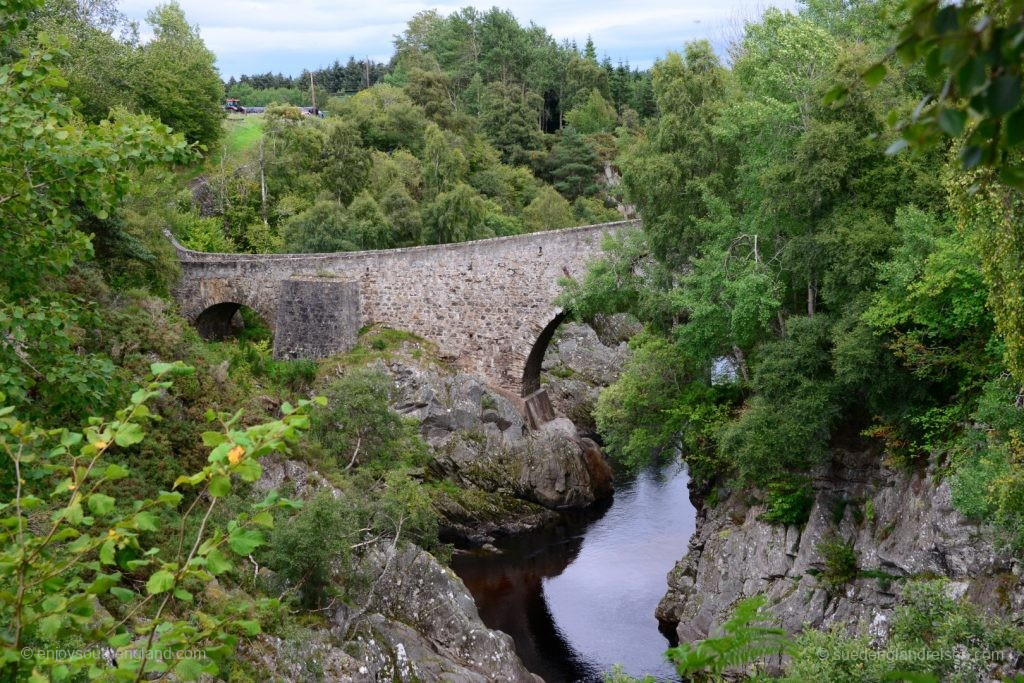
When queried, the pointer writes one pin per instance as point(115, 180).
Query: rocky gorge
point(419, 622)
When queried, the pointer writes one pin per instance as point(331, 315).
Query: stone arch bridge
point(488, 304)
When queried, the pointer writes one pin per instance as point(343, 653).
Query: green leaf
point(220, 485)
point(120, 640)
point(1003, 94)
point(107, 552)
point(113, 472)
point(49, 626)
point(249, 627)
point(183, 595)
point(264, 519)
point(129, 435)
point(952, 121)
point(122, 594)
point(212, 439)
point(146, 521)
point(875, 74)
point(188, 669)
point(1015, 128)
point(244, 541)
point(216, 563)
point(160, 582)
point(159, 369)
point(101, 504)
point(172, 498)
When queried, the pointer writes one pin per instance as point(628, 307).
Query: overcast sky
point(255, 36)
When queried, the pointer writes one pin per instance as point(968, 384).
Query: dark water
point(580, 598)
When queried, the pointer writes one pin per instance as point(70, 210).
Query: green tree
point(596, 115)
point(454, 216)
point(176, 79)
point(548, 211)
point(574, 165)
point(509, 117)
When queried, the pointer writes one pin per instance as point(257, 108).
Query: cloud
point(254, 36)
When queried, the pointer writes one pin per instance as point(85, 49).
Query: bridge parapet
point(487, 304)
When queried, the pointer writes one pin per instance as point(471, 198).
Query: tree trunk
point(812, 297)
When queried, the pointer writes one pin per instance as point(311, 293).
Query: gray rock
point(578, 364)
point(908, 528)
point(425, 626)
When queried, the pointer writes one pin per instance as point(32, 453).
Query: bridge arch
point(224, 320)
point(535, 359)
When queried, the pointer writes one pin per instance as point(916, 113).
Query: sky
point(256, 36)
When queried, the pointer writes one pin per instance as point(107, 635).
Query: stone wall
point(316, 317)
point(485, 303)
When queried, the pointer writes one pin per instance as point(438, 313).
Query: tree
point(454, 216)
point(595, 115)
point(176, 78)
point(548, 211)
point(509, 118)
point(344, 164)
point(57, 172)
point(574, 165)
point(321, 228)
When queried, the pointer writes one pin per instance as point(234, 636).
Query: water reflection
point(580, 598)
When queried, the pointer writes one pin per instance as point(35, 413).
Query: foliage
point(932, 637)
point(357, 427)
point(57, 172)
point(789, 502)
point(60, 565)
point(840, 562)
point(305, 548)
point(574, 165)
point(548, 211)
point(743, 639)
point(177, 81)
point(973, 50)
point(595, 116)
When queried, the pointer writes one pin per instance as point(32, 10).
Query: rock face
point(414, 621)
point(902, 524)
point(425, 612)
point(420, 624)
point(583, 360)
point(510, 478)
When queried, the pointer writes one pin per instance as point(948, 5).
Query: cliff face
point(902, 525)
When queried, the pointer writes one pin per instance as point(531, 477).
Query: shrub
point(67, 541)
point(789, 502)
point(840, 562)
point(304, 548)
point(358, 428)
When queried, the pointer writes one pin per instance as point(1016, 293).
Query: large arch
point(224, 320)
point(535, 360)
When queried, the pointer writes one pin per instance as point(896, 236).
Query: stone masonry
point(487, 304)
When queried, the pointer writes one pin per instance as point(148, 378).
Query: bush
point(840, 562)
point(357, 427)
point(71, 538)
point(789, 502)
point(304, 549)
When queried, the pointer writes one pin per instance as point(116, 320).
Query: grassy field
point(242, 133)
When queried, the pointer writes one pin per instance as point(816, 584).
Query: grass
point(242, 133)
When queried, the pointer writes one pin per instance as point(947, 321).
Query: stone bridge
point(487, 304)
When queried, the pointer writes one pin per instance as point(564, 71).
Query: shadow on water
point(580, 597)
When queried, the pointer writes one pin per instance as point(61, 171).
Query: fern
point(742, 639)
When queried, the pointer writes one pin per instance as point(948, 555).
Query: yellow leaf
point(235, 455)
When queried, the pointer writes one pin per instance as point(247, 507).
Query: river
point(580, 598)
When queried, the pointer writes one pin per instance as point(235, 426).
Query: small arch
point(229, 319)
point(531, 373)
